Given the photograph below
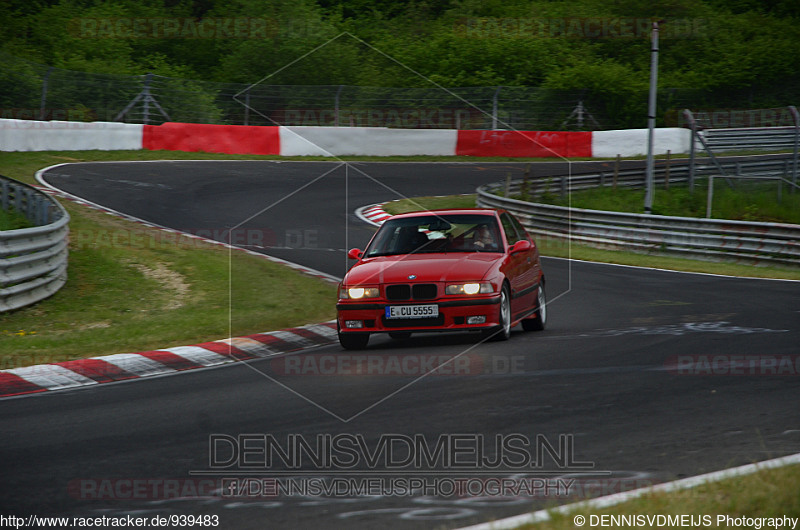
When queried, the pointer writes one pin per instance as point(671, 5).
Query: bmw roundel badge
point(412, 276)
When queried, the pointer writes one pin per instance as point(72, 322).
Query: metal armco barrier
point(710, 239)
point(771, 138)
point(771, 168)
point(33, 261)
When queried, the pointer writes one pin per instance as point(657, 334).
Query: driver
point(483, 238)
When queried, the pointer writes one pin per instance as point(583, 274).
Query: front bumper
point(453, 315)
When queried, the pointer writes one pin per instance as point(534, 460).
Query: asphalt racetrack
point(642, 376)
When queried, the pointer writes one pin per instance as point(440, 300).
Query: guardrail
point(687, 236)
point(772, 168)
point(771, 138)
point(33, 261)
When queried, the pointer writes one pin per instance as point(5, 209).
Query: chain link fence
point(33, 91)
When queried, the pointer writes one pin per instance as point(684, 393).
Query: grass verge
point(764, 494)
point(132, 288)
point(561, 248)
point(746, 202)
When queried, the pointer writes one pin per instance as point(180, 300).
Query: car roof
point(453, 211)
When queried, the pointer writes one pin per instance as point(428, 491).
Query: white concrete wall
point(368, 141)
point(633, 142)
point(31, 135)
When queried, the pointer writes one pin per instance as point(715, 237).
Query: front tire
point(539, 322)
point(353, 341)
point(503, 331)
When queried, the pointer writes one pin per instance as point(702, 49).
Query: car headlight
point(469, 288)
point(356, 293)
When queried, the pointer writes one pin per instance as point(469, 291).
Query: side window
point(508, 228)
point(523, 234)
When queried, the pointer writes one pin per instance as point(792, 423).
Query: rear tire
point(539, 322)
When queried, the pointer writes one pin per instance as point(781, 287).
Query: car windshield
point(436, 233)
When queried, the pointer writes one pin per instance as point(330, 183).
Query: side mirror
point(520, 246)
point(354, 253)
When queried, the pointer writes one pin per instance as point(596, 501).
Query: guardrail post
point(786, 173)
point(666, 170)
point(146, 100)
point(336, 104)
point(796, 117)
point(616, 169)
point(247, 107)
point(692, 127)
point(494, 108)
point(710, 196)
point(42, 213)
point(43, 102)
point(651, 121)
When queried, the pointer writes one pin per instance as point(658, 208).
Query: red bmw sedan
point(443, 270)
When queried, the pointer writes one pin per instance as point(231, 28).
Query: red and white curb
point(373, 214)
point(124, 366)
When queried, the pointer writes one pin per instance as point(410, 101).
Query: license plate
point(412, 311)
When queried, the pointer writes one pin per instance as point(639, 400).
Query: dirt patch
point(169, 279)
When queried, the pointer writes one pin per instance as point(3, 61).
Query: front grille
point(418, 291)
point(398, 292)
point(424, 291)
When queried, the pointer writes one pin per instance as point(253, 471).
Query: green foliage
point(745, 202)
point(730, 54)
